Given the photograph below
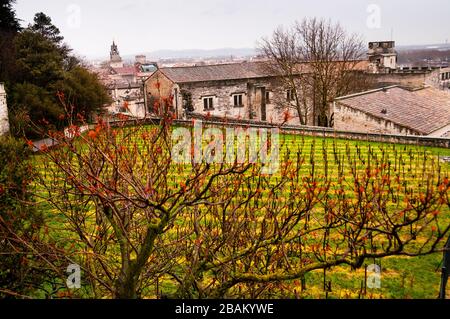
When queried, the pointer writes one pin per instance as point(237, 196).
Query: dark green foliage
point(8, 20)
point(33, 100)
point(43, 25)
point(38, 59)
point(34, 106)
point(84, 90)
point(9, 26)
point(44, 71)
point(19, 221)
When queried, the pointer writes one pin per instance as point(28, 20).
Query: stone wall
point(222, 93)
point(4, 122)
point(348, 119)
point(444, 78)
point(418, 79)
point(128, 101)
point(322, 132)
point(158, 89)
point(254, 92)
point(258, 94)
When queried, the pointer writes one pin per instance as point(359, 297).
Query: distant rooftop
point(422, 110)
point(126, 70)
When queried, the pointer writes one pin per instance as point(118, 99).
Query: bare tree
point(318, 61)
point(282, 50)
point(119, 195)
point(334, 57)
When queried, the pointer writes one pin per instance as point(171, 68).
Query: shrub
point(19, 221)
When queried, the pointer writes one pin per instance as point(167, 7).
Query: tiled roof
point(122, 85)
point(424, 111)
point(232, 71)
point(204, 73)
point(125, 70)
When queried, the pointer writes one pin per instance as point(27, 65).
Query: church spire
point(114, 54)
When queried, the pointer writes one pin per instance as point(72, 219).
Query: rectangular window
point(238, 100)
point(267, 97)
point(290, 95)
point(208, 103)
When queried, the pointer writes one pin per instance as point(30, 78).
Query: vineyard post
point(445, 270)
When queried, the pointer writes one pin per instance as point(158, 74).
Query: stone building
point(115, 58)
point(247, 90)
point(382, 57)
point(250, 90)
point(4, 122)
point(128, 99)
point(395, 110)
point(444, 77)
point(384, 70)
point(125, 83)
point(413, 77)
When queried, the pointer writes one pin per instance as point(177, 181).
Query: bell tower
point(382, 57)
point(115, 59)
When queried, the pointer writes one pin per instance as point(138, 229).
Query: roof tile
point(424, 110)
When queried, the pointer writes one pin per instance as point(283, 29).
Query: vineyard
point(116, 203)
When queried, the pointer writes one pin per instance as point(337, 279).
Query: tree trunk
point(126, 288)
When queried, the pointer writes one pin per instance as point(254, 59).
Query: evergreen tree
point(39, 59)
point(8, 19)
point(84, 90)
point(43, 68)
point(44, 26)
point(9, 26)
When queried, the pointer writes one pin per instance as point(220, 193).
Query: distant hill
point(424, 55)
point(196, 53)
point(244, 52)
point(439, 47)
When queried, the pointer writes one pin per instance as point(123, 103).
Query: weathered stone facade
point(251, 91)
point(4, 122)
point(352, 120)
point(384, 70)
point(262, 98)
point(395, 110)
point(444, 78)
point(414, 80)
point(128, 100)
point(382, 57)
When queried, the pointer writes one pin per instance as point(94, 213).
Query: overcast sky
point(138, 26)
